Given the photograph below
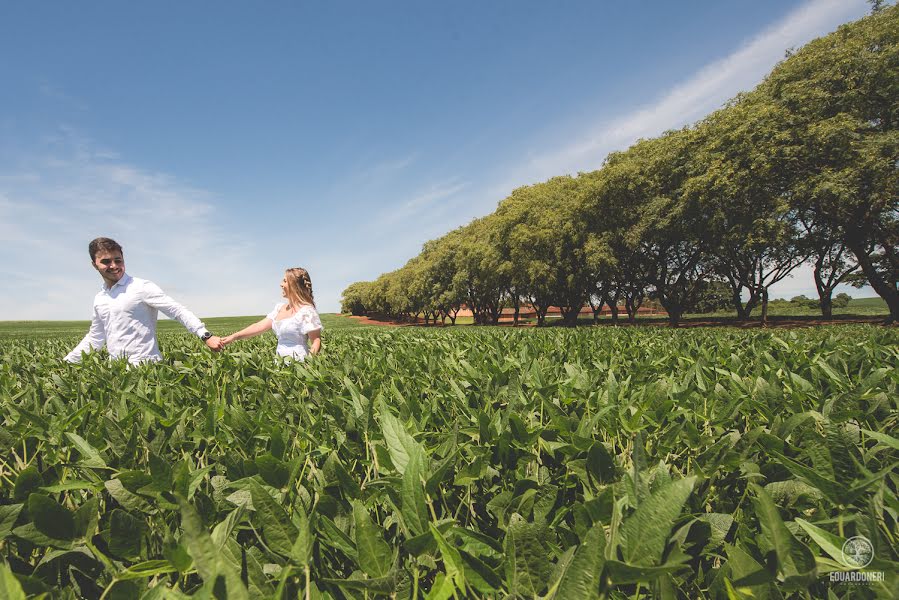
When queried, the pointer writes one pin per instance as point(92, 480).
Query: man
point(125, 311)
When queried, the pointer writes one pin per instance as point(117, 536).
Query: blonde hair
point(299, 287)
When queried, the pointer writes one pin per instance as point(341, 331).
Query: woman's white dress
point(292, 331)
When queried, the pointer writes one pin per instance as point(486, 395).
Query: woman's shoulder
point(306, 308)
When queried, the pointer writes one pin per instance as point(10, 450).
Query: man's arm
point(155, 297)
point(94, 340)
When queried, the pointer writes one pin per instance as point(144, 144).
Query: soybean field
point(456, 463)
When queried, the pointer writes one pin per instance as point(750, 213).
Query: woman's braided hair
point(299, 286)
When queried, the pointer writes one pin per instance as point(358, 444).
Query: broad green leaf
point(413, 508)
point(600, 464)
point(645, 532)
point(883, 438)
point(793, 559)
point(580, 579)
point(223, 530)
point(273, 471)
point(8, 515)
point(272, 520)
point(399, 443)
point(337, 538)
point(830, 543)
point(452, 561)
point(479, 575)
point(28, 481)
point(50, 518)
point(125, 533)
point(90, 457)
point(86, 518)
point(527, 567)
point(375, 555)
point(199, 542)
point(10, 588)
point(301, 551)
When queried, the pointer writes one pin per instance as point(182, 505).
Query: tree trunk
point(631, 310)
point(613, 308)
point(825, 291)
point(675, 312)
point(570, 315)
point(886, 290)
point(597, 309)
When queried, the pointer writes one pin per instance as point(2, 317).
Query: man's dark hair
point(102, 244)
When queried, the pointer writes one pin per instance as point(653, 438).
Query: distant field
point(860, 307)
point(219, 325)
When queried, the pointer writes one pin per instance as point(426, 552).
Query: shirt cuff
point(202, 331)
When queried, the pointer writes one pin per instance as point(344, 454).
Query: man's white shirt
point(124, 321)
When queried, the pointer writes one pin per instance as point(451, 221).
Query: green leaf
point(10, 588)
point(580, 578)
point(452, 561)
point(8, 515)
point(147, 568)
point(377, 585)
point(527, 567)
point(792, 558)
point(622, 573)
point(336, 537)
point(644, 533)
point(600, 464)
point(125, 534)
point(400, 444)
point(130, 501)
point(273, 471)
point(883, 438)
point(414, 508)
point(28, 481)
point(830, 543)
point(50, 518)
point(479, 575)
point(86, 518)
point(301, 552)
point(90, 457)
point(375, 556)
point(272, 520)
point(199, 543)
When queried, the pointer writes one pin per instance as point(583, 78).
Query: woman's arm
point(315, 341)
point(247, 332)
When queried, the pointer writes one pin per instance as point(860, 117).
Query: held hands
point(228, 339)
point(215, 343)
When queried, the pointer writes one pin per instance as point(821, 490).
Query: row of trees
point(803, 169)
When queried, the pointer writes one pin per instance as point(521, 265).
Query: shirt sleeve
point(155, 297)
point(309, 320)
point(94, 340)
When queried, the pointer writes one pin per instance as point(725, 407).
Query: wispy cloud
point(433, 199)
point(57, 200)
point(703, 92)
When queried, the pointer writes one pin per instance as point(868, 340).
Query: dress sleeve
point(274, 312)
point(94, 340)
point(309, 320)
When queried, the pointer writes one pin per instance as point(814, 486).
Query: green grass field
point(218, 325)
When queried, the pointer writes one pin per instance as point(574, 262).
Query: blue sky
point(221, 142)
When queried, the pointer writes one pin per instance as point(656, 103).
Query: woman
point(294, 322)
